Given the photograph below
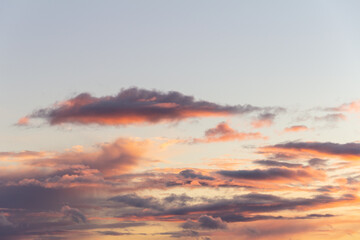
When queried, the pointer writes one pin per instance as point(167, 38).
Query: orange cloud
point(349, 107)
point(117, 157)
point(223, 133)
point(296, 128)
point(23, 121)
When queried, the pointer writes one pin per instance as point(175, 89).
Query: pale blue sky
point(287, 53)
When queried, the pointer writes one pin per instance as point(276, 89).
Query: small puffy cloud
point(223, 133)
point(24, 121)
point(263, 120)
point(296, 128)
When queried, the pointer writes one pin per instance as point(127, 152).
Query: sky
point(199, 120)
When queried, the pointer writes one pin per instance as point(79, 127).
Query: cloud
point(271, 230)
point(38, 198)
point(4, 222)
point(263, 120)
point(116, 157)
point(24, 121)
point(333, 117)
point(23, 155)
point(347, 151)
point(232, 209)
point(181, 234)
point(317, 162)
point(296, 128)
point(189, 173)
point(348, 107)
point(271, 174)
point(149, 202)
point(273, 163)
point(223, 133)
point(205, 222)
point(137, 201)
point(112, 233)
point(134, 106)
point(73, 213)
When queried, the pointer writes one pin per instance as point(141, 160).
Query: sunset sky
point(191, 119)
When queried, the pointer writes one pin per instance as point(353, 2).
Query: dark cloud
point(181, 234)
point(232, 210)
point(329, 188)
point(37, 197)
point(317, 162)
point(273, 163)
point(205, 222)
point(189, 173)
point(266, 174)
point(137, 201)
point(112, 233)
point(134, 106)
point(236, 217)
point(180, 200)
point(312, 216)
point(74, 213)
point(347, 150)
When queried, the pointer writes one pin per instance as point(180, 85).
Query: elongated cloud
point(134, 106)
point(205, 222)
point(273, 163)
point(348, 151)
point(296, 128)
point(231, 209)
point(270, 174)
point(223, 133)
point(333, 117)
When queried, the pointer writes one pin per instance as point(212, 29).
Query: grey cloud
point(273, 163)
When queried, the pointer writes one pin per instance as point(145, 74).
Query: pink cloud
point(296, 128)
point(224, 133)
